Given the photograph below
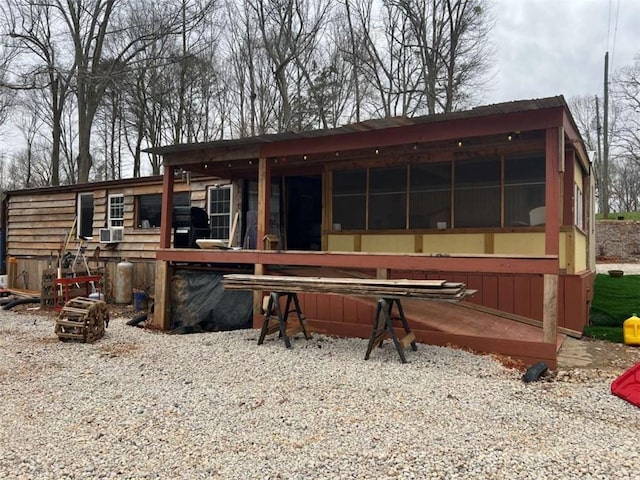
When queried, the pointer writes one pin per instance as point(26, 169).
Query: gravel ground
point(140, 405)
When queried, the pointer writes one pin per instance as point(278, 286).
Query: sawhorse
point(383, 326)
point(273, 324)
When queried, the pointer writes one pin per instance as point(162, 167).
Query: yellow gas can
point(631, 330)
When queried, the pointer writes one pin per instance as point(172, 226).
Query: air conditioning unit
point(111, 235)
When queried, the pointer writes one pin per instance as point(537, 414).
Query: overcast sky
point(557, 47)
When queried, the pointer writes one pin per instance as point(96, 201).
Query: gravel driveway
point(144, 405)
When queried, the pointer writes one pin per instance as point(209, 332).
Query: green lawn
point(615, 299)
point(625, 215)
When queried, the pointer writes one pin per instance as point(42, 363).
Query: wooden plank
point(550, 313)
point(337, 280)
point(518, 318)
point(407, 339)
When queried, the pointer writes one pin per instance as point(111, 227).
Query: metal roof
point(369, 125)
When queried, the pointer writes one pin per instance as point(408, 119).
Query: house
point(106, 221)
point(499, 197)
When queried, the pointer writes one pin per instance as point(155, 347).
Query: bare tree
point(33, 26)
point(289, 29)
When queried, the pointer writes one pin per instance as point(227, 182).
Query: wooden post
point(264, 197)
point(382, 273)
point(550, 312)
point(166, 209)
point(161, 318)
point(552, 194)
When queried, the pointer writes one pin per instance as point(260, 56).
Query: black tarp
point(199, 303)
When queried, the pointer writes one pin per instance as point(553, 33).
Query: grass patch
point(615, 299)
point(610, 334)
point(614, 216)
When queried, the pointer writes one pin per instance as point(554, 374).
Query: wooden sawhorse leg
point(383, 326)
point(278, 323)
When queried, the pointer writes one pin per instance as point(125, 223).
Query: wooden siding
point(37, 224)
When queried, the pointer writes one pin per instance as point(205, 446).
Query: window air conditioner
point(111, 235)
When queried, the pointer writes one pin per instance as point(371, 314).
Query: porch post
point(166, 210)
point(555, 166)
point(161, 317)
point(264, 196)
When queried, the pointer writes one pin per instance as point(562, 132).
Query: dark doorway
point(303, 212)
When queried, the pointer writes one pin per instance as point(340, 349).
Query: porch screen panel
point(477, 193)
point(524, 188)
point(388, 198)
point(350, 199)
point(430, 195)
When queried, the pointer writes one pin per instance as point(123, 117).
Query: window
point(149, 208)
point(579, 207)
point(85, 215)
point(350, 199)
point(220, 211)
point(477, 193)
point(524, 189)
point(484, 192)
point(116, 211)
point(388, 198)
point(430, 197)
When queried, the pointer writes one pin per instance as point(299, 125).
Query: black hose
point(137, 319)
point(20, 301)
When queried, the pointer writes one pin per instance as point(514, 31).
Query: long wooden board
point(426, 289)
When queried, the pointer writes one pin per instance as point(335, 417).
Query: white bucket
point(4, 281)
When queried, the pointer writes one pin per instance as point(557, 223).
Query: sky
point(546, 48)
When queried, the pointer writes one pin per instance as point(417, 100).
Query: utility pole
point(599, 181)
point(605, 141)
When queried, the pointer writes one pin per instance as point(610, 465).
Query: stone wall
point(618, 240)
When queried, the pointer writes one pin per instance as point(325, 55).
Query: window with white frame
point(578, 208)
point(85, 215)
point(220, 211)
point(115, 217)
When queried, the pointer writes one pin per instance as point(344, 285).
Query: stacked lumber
point(82, 319)
point(427, 289)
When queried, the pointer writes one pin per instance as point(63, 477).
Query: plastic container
point(631, 330)
point(140, 300)
point(124, 282)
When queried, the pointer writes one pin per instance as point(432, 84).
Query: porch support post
point(161, 318)
point(165, 209)
point(555, 169)
point(550, 312)
point(554, 148)
point(264, 196)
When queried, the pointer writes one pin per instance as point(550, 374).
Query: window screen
point(524, 188)
point(430, 197)
point(388, 198)
point(350, 199)
point(477, 193)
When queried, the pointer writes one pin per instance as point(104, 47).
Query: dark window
point(524, 189)
point(430, 198)
point(350, 199)
point(85, 215)
point(149, 208)
point(388, 198)
point(477, 193)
